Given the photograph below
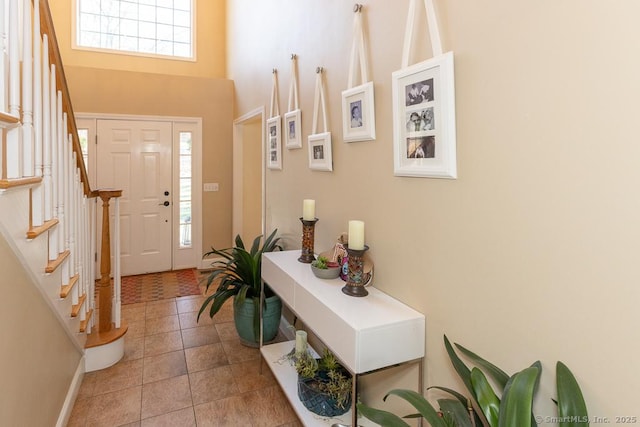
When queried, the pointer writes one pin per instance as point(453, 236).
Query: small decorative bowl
point(331, 272)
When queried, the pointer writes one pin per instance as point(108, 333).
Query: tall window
point(146, 27)
point(186, 179)
point(83, 135)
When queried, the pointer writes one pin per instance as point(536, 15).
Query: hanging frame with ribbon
point(320, 157)
point(274, 139)
point(292, 119)
point(424, 119)
point(358, 107)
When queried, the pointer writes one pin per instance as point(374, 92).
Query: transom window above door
point(139, 27)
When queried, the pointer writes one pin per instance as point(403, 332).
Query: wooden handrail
point(46, 27)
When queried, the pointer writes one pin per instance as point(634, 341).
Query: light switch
point(211, 186)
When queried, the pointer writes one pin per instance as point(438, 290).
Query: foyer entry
point(156, 161)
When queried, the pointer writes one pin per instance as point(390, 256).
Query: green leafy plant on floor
point(511, 406)
point(238, 274)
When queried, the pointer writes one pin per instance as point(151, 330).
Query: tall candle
point(356, 234)
point(301, 341)
point(308, 209)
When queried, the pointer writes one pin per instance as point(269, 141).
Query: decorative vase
point(244, 320)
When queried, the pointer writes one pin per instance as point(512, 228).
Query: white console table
point(365, 333)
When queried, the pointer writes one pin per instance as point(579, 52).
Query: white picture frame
point(424, 119)
point(293, 129)
point(358, 113)
point(274, 143)
point(320, 157)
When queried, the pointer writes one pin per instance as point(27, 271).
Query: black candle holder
point(355, 276)
point(308, 231)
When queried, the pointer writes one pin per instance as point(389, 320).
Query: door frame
point(238, 144)
point(178, 123)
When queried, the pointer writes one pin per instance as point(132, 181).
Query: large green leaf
point(479, 417)
point(489, 368)
point(572, 409)
point(517, 399)
point(457, 411)
point(384, 418)
point(486, 397)
point(463, 371)
point(421, 404)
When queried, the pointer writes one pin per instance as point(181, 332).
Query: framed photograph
point(293, 128)
point(320, 152)
point(424, 120)
point(358, 113)
point(274, 144)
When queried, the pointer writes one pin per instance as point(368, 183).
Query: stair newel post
point(105, 296)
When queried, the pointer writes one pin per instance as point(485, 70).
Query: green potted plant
point(324, 385)
point(510, 406)
point(239, 275)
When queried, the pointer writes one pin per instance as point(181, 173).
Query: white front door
point(135, 156)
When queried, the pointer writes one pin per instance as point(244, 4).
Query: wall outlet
point(211, 186)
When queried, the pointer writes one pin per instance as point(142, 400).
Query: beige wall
point(122, 92)
point(251, 180)
point(532, 252)
point(41, 356)
point(209, 37)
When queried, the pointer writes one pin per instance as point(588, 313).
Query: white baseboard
point(72, 394)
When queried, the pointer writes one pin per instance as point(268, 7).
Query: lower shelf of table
point(287, 377)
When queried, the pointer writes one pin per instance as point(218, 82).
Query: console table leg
point(354, 401)
point(421, 383)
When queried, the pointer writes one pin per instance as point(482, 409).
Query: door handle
point(166, 203)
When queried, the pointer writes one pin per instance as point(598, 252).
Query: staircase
point(47, 208)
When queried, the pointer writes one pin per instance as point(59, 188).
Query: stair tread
point(6, 184)
point(85, 322)
point(95, 338)
point(54, 264)
point(36, 231)
point(75, 309)
point(8, 120)
point(65, 289)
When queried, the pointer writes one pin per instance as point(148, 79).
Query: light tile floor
point(178, 372)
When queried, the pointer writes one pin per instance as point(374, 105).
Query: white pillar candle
point(301, 341)
point(308, 209)
point(356, 235)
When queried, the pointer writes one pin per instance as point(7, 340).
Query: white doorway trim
point(178, 123)
point(238, 143)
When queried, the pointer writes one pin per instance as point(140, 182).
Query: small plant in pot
point(238, 274)
point(324, 386)
point(325, 269)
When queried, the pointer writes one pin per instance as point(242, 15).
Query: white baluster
point(62, 225)
point(4, 8)
point(46, 131)
point(76, 236)
point(13, 152)
point(116, 264)
point(71, 214)
point(91, 236)
point(28, 166)
point(37, 195)
point(53, 235)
